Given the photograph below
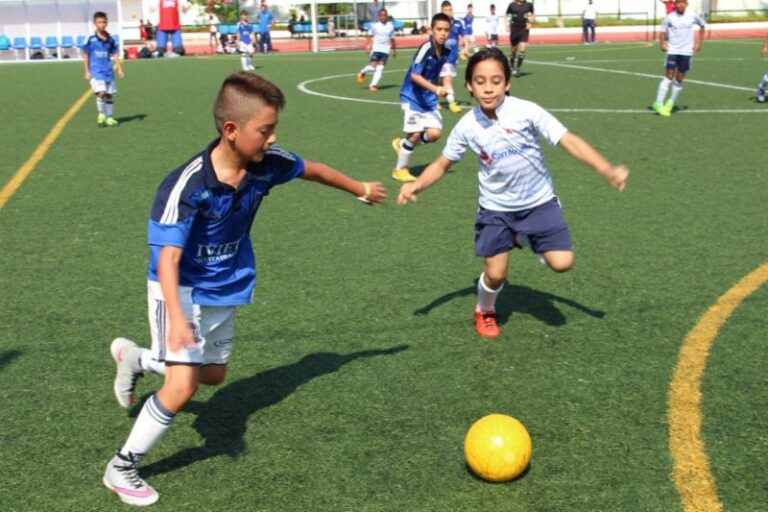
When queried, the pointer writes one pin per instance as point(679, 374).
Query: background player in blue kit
point(517, 197)
point(680, 41)
point(202, 265)
point(469, 32)
point(452, 44)
point(422, 122)
point(245, 40)
point(100, 51)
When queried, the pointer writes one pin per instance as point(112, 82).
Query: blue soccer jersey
point(452, 43)
point(469, 21)
point(211, 221)
point(265, 21)
point(245, 32)
point(100, 52)
point(427, 62)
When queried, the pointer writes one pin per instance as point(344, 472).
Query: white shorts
point(102, 86)
point(212, 326)
point(245, 47)
point(448, 69)
point(414, 122)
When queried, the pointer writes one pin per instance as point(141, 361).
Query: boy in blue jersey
point(455, 38)
point(266, 21)
point(422, 122)
point(469, 32)
point(99, 53)
point(245, 42)
point(202, 265)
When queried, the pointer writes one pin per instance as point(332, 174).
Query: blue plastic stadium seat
point(67, 42)
point(399, 25)
point(321, 27)
point(367, 26)
point(5, 43)
point(19, 43)
point(52, 42)
point(35, 43)
point(81, 41)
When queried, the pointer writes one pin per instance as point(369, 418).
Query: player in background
point(760, 95)
point(455, 39)
point(469, 32)
point(492, 27)
point(245, 42)
point(100, 51)
point(518, 205)
point(521, 19)
point(422, 122)
point(679, 39)
point(202, 266)
point(381, 44)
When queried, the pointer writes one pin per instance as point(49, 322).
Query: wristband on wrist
point(366, 193)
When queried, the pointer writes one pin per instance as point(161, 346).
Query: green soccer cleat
point(101, 119)
point(669, 106)
point(659, 109)
point(111, 121)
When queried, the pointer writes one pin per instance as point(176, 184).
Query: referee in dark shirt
point(521, 17)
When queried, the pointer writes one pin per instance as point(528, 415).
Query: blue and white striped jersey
point(211, 221)
point(427, 63)
point(513, 174)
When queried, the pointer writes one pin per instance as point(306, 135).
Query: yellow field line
point(693, 478)
point(10, 188)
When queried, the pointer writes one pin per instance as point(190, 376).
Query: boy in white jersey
point(518, 204)
point(679, 40)
point(381, 44)
point(760, 96)
point(492, 27)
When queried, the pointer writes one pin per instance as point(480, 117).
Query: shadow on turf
point(128, 119)
point(222, 420)
point(8, 356)
point(518, 477)
point(519, 299)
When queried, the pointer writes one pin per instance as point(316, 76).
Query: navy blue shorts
point(379, 56)
point(681, 63)
point(544, 225)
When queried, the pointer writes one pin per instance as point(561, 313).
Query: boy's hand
point(408, 193)
point(764, 51)
point(663, 46)
point(617, 176)
point(441, 92)
point(88, 75)
point(120, 73)
point(374, 193)
point(180, 336)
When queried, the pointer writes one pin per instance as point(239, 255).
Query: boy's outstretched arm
point(368, 192)
point(580, 149)
point(433, 172)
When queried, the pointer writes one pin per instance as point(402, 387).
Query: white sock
point(153, 421)
point(486, 297)
point(676, 88)
point(100, 105)
point(250, 61)
point(450, 96)
point(110, 108)
point(377, 75)
point(367, 69)
point(764, 82)
point(147, 363)
point(663, 88)
point(244, 62)
point(404, 157)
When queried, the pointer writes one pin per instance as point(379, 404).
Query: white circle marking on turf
point(303, 88)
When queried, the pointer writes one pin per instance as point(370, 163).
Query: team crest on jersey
point(487, 160)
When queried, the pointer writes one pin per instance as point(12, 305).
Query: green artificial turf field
point(356, 371)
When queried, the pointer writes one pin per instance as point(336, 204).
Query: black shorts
point(518, 35)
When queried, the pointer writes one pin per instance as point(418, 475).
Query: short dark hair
point(446, 3)
point(439, 17)
point(243, 93)
point(99, 15)
point(487, 54)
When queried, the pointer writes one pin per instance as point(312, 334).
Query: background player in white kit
point(680, 42)
point(492, 27)
point(381, 45)
point(517, 197)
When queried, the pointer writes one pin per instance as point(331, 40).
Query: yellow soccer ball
point(497, 448)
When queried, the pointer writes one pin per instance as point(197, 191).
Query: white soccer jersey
point(492, 24)
point(382, 34)
point(681, 32)
point(513, 174)
point(590, 12)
